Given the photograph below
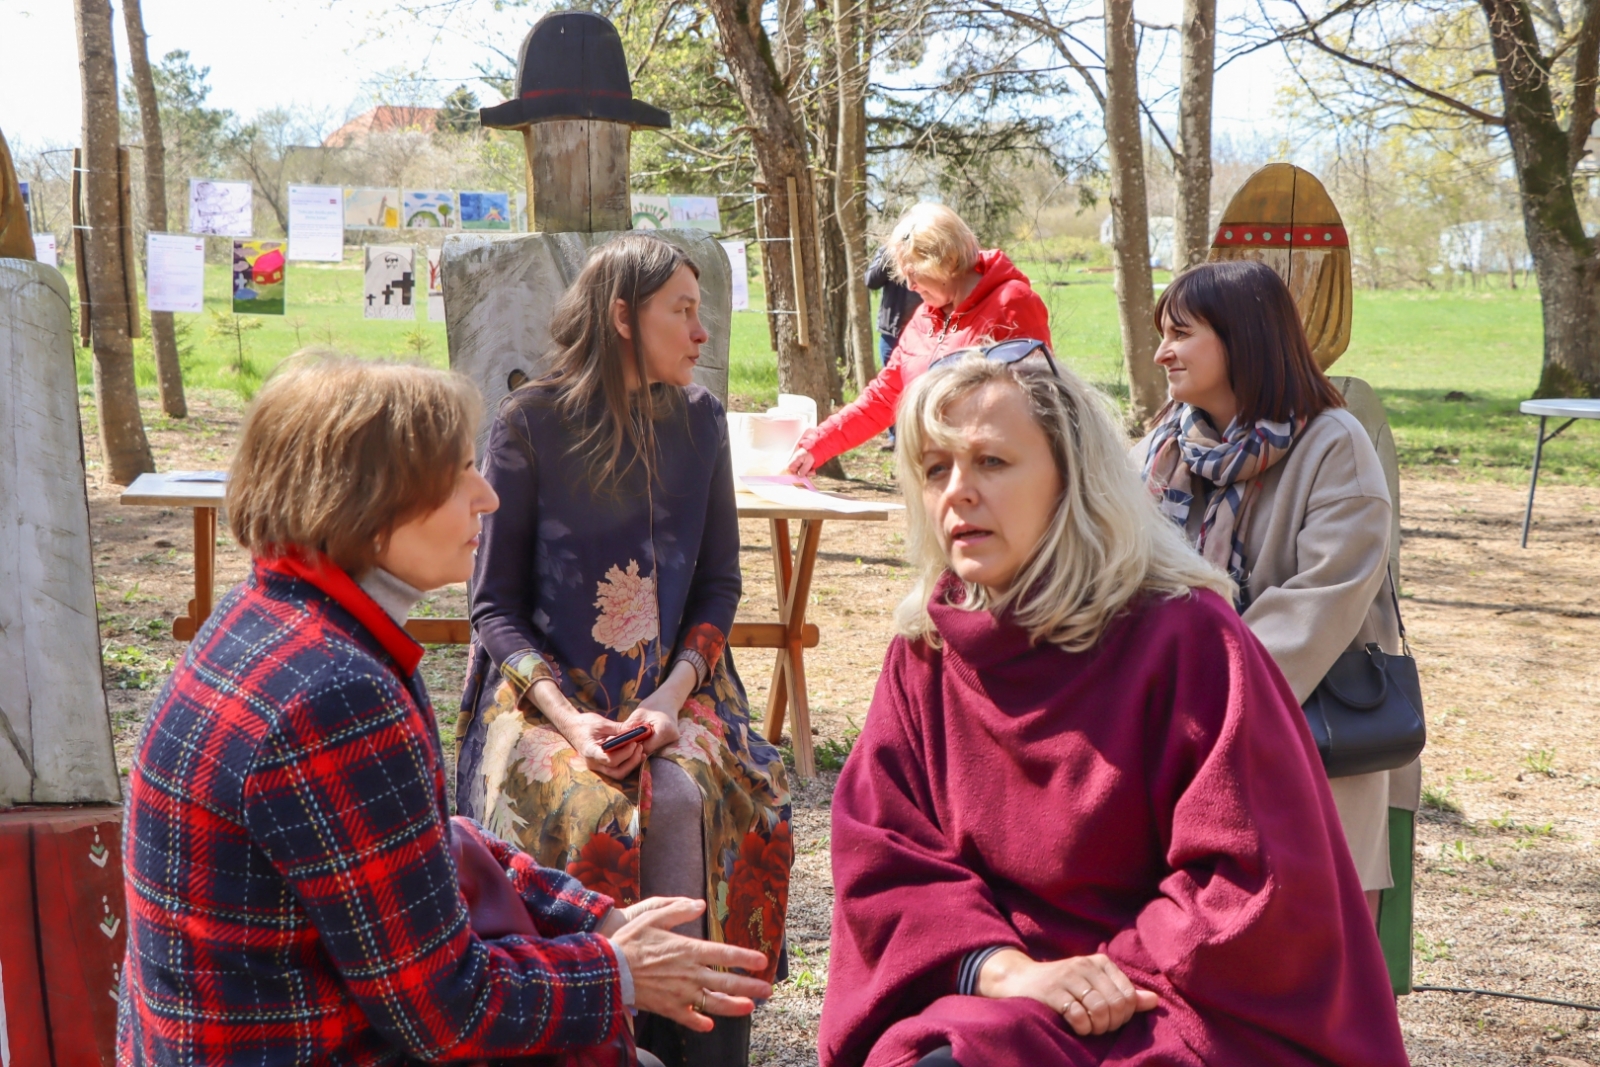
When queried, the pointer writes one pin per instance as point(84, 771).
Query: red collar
point(332, 580)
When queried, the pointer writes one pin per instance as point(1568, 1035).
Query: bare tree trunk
point(850, 195)
point(790, 55)
point(169, 375)
point(823, 120)
point(1192, 230)
point(122, 439)
point(1130, 215)
point(1564, 256)
point(781, 157)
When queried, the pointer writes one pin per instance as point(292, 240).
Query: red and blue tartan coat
point(291, 894)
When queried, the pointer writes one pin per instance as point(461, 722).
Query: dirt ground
point(1507, 875)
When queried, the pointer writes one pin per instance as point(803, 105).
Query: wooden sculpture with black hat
point(575, 107)
point(573, 85)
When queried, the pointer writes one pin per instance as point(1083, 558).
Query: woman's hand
point(675, 976)
point(584, 730)
point(660, 709)
point(1090, 992)
point(801, 463)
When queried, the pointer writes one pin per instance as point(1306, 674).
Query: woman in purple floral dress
point(605, 589)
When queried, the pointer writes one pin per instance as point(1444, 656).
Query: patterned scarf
point(1187, 446)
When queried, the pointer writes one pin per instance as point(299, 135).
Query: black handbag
point(1366, 713)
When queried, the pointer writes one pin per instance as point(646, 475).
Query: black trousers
point(939, 1057)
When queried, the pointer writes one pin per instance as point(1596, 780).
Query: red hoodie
point(1002, 306)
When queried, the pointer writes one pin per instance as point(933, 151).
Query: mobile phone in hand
point(638, 733)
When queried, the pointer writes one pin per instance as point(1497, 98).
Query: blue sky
point(325, 56)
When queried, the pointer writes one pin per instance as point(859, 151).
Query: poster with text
point(741, 274)
point(651, 212)
point(258, 282)
point(485, 211)
point(316, 223)
point(429, 209)
point(435, 286)
point(44, 249)
point(175, 272)
point(694, 213)
point(389, 274)
point(220, 209)
point(372, 209)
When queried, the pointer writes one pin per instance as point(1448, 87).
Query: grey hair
point(1106, 543)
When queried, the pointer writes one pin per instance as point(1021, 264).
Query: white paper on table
point(175, 275)
point(221, 209)
point(44, 249)
point(794, 496)
point(316, 223)
point(741, 274)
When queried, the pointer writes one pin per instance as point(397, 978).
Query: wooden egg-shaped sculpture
point(1284, 217)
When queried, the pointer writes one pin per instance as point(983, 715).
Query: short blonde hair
point(930, 241)
point(336, 452)
point(1106, 543)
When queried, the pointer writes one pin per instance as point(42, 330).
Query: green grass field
point(1416, 348)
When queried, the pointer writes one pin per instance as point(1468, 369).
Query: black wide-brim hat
point(572, 67)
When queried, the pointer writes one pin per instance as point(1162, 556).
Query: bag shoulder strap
point(1394, 598)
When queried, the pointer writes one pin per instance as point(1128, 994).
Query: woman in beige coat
point(1274, 482)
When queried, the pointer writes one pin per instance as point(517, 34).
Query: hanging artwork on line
point(651, 212)
point(435, 286)
point(316, 223)
point(741, 273)
point(220, 209)
point(44, 249)
point(485, 211)
point(694, 213)
point(258, 277)
point(175, 272)
point(372, 209)
point(429, 209)
point(389, 281)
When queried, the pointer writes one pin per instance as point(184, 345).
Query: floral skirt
point(538, 792)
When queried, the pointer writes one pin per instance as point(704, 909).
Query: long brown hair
point(1270, 368)
point(588, 369)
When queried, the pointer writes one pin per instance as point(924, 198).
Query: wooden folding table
point(793, 563)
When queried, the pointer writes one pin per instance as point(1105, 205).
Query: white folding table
point(1572, 410)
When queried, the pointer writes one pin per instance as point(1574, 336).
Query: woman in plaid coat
point(292, 895)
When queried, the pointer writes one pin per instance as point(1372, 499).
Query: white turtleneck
point(394, 596)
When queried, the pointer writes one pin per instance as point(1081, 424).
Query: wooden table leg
point(805, 765)
point(782, 568)
point(184, 627)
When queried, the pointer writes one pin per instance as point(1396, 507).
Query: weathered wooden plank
point(500, 290)
point(580, 175)
point(55, 732)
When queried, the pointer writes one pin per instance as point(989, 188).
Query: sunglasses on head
point(1007, 352)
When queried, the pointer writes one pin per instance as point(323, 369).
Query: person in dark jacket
point(292, 896)
point(895, 306)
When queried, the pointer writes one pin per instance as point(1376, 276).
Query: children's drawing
point(372, 209)
point(435, 286)
point(429, 209)
point(258, 277)
point(485, 211)
point(390, 281)
point(651, 212)
point(220, 209)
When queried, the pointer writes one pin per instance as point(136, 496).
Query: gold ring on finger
point(701, 1007)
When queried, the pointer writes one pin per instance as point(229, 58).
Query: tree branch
point(1585, 77)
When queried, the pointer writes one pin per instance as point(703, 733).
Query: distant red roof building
point(385, 118)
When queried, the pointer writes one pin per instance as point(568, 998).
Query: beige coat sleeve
point(1342, 555)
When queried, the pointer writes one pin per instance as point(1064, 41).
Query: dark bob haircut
point(1252, 312)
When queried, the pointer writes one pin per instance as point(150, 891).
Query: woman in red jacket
point(969, 297)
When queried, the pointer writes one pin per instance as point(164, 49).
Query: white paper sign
point(221, 209)
point(316, 223)
point(391, 282)
point(694, 213)
point(435, 286)
point(44, 249)
point(651, 212)
point(176, 275)
point(741, 274)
